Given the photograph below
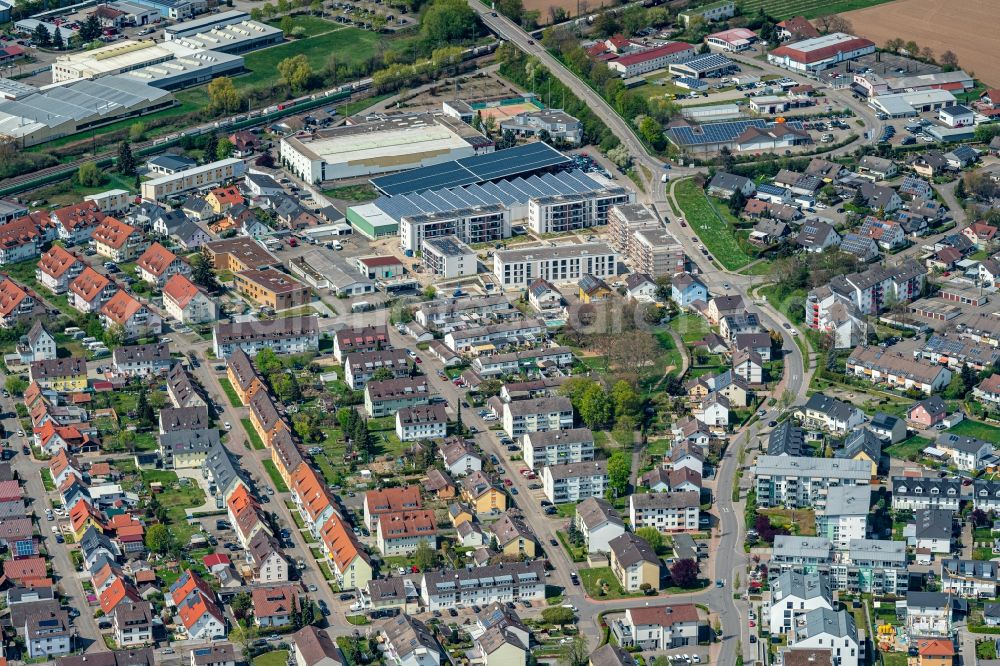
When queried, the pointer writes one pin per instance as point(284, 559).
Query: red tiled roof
point(78, 215)
point(650, 54)
point(89, 284)
point(817, 55)
point(156, 259)
point(121, 307)
point(11, 296)
point(57, 261)
point(180, 290)
point(30, 567)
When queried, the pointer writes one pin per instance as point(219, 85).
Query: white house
point(599, 523)
point(825, 629)
point(573, 482)
point(557, 447)
point(793, 594)
point(460, 459)
point(421, 422)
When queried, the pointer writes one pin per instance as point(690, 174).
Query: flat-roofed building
point(272, 288)
point(803, 481)
point(393, 144)
point(199, 177)
point(449, 257)
point(819, 53)
point(516, 269)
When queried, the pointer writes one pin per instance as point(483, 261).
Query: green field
point(714, 231)
point(313, 25)
point(978, 430)
point(909, 449)
point(346, 45)
point(252, 434)
point(782, 9)
point(690, 327)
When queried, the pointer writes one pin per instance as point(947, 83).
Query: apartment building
point(844, 518)
point(401, 532)
point(645, 245)
point(557, 447)
point(116, 241)
point(573, 482)
point(517, 268)
point(286, 335)
point(567, 212)
point(599, 523)
point(666, 512)
point(477, 339)
point(389, 500)
point(658, 627)
point(884, 366)
point(521, 417)
point(793, 594)
point(195, 178)
point(796, 482)
point(634, 562)
point(360, 366)
point(499, 583)
point(271, 288)
point(974, 579)
point(495, 365)
point(387, 396)
point(421, 422)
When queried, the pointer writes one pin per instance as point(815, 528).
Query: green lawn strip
point(47, 481)
point(909, 449)
point(567, 510)
point(227, 386)
point(273, 658)
point(255, 439)
point(575, 554)
point(177, 498)
point(977, 429)
point(590, 578)
point(358, 620)
point(690, 327)
point(272, 471)
point(712, 223)
point(362, 192)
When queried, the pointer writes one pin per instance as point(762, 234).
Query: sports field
point(782, 9)
point(506, 111)
point(966, 27)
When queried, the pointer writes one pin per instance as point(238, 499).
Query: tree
point(41, 35)
point(447, 21)
point(894, 45)
point(296, 72)
point(949, 61)
point(833, 23)
point(911, 48)
point(429, 293)
point(652, 536)
point(90, 29)
point(244, 636)
point(88, 175)
point(287, 25)
point(424, 556)
point(576, 652)
point(316, 7)
point(222, 95)
point(652, 133)
point(626, 400)
point(619, 471)
point(201, 272)
point(146, 415)
point(137, 132)
point(223, 149)
point(241, 604)
point(126, 160)
point(57, 39)
point(268, 362)
point(737, 202)
point(489, 388)
point(159, 539)
point(15, 385)
point(286, 385)
point(684, 573)
point(512, 9)
point(382, 374)
point(595, 408)
point(559, 615)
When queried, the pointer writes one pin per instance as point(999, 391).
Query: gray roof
point(728, 181)
point(962, 443)
point(225, 472)
point(787, 440)
point(933, 523)
point(793, 547)
point(679, 500)
point(834, 468)
point(833, 408)
point(578, 469)
point(909, 487)
point(594, 511)
point(506, 574)
point(630, 549)
point(184, 418)
point(836, 623)
point(848, 500)
point(187, 441)
point(878, 550)
point(802, 586)
point(859, 441)
point(978, 569)
point(407, 634)
point(926, 600)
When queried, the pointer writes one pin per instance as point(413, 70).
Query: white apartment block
point(666, 512)
point(499, 583)
point(562, 213)
point(557, 447)
point(213, 173)
point(483, 224)
point(796, 481)
point(537, 415)
point(574, 482)
point(518, 268)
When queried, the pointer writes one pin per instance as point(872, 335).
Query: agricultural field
point(958, 26)
point(782, 9)
point(712, 224)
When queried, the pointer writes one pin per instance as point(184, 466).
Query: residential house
point(824, 628)
point(421, 422)
point(824, 412)
point(878, 168)
point(482, 495)
point(116, 241)
point(186, 303)
point(599, 523)
point(133, 318)
point(915, 493)
point(666, 512)
point(968, 454)
point(90, 290)
point(158, 264)
point(725, 185)
point(927, 413)
point(57, 268)
point(389, 500)
point(793, 594)
point(634, 563)
point(658, 628)
point(513, 536)
point(685, 289)
point(975, 579)
point(274, 606)
point(459, 458)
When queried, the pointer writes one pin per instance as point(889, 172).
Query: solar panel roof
point(477, 169)
point(710, 133)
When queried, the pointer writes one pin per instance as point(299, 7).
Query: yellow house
point(594, 289)
point(634, 562)
point(188, 450)
point(513, 535)
point(482, 495)
point(82, 517)
point(65, 375)
point(459, 513)
point(500, 650)
point(864, 445)
point(351, 565)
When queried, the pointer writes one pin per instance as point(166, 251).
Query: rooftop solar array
point(506, 193)
point(707, 63)
point(477, 169)
point(710, 133)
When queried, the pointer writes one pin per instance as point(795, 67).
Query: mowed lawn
point(782, 9)
point(979, 430)
point(313, 25)
point(704, 219)
point(345, 45)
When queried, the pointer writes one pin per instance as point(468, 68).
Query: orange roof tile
point(57, 261)
point(11, 296)
point(115, 593)
point(156, 259)
point(112, 232)
point(81, 214)
point(89, 284)
point(121, 307)
point(80, 512)
point(228, 195)
point(180, 290)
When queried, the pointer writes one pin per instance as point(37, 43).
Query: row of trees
point(948, 60)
